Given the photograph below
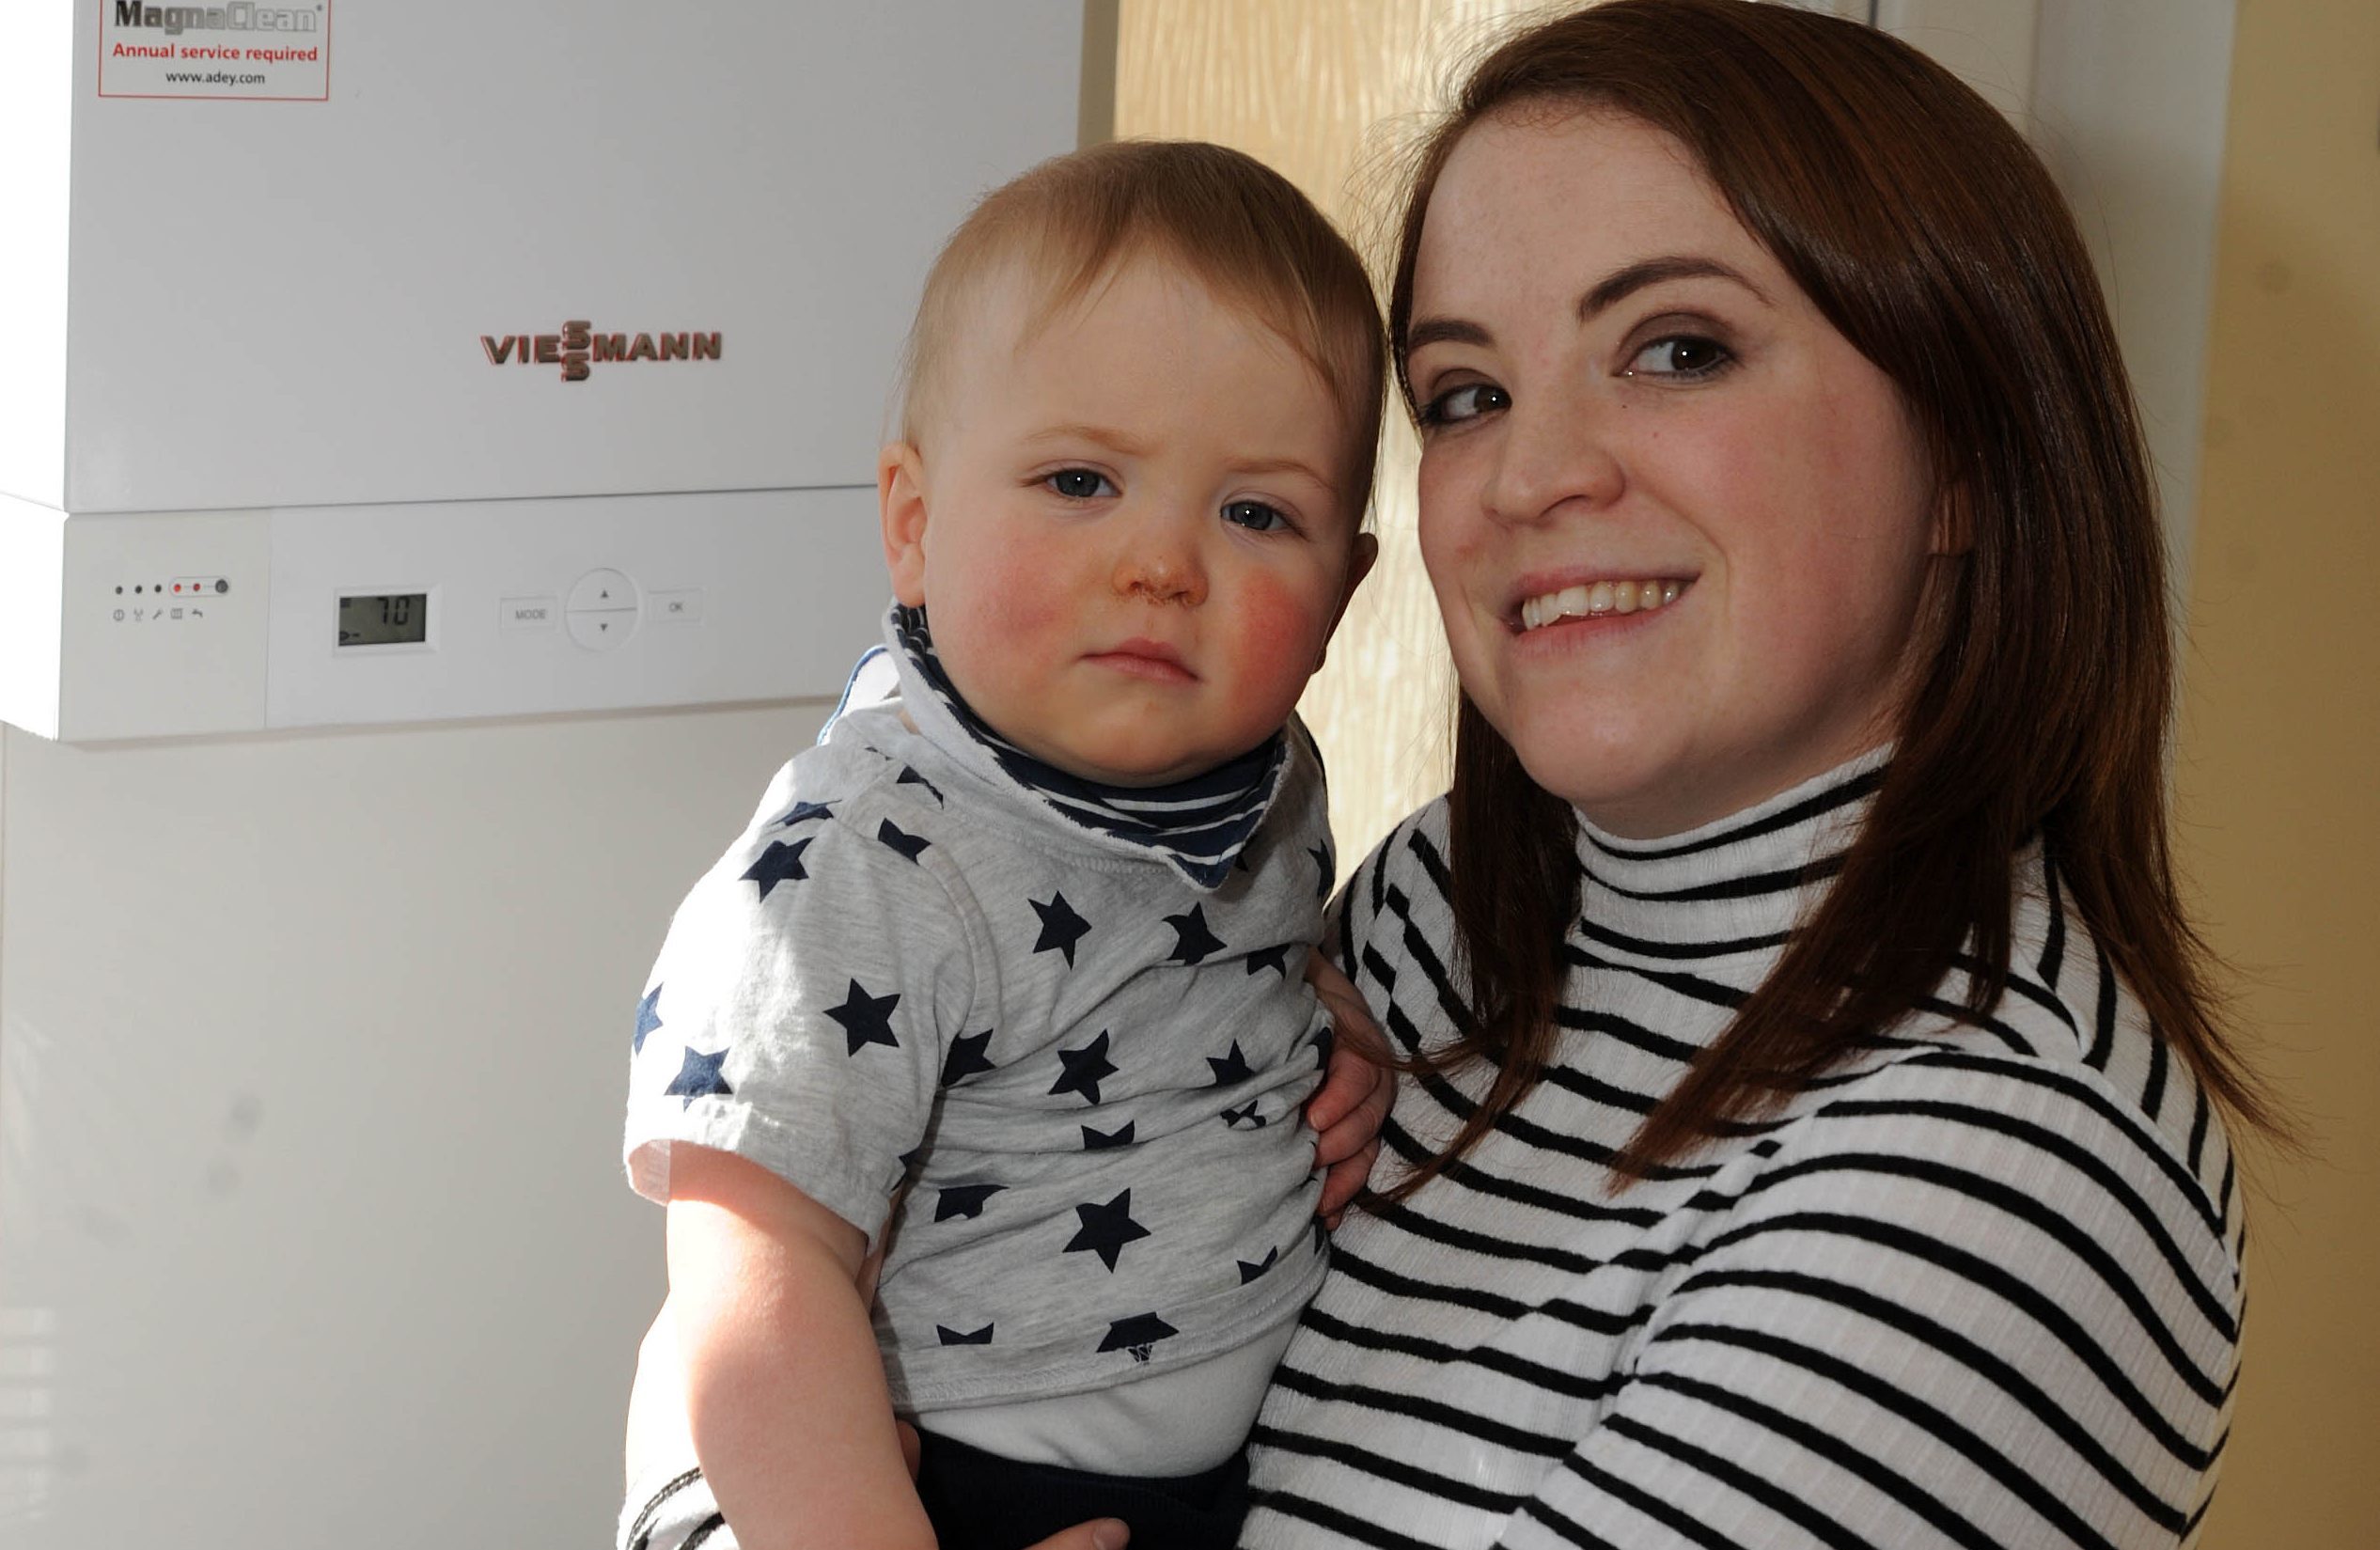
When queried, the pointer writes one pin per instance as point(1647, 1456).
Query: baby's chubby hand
point(1352, 1105)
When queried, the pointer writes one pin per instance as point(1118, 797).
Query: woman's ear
point(900, 500)
point(1953, 522)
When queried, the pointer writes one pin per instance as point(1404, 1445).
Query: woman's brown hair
point(1933, 239)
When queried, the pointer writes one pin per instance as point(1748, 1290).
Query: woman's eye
point(1254, 515)
point(1467, 403)
point(1680, 357)
point(1079, 483)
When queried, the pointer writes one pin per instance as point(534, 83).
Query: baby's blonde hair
point(1229, 221)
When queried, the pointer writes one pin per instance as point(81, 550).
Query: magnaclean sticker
point(242, 51)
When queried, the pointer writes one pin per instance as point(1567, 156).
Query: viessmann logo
point(578, 349)
point(173, 21)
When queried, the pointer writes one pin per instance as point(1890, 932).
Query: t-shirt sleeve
point(1938, 1321)
point(800, 1010)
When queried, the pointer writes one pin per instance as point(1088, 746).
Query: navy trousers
point(978, 1501)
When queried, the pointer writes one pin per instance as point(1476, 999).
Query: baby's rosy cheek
point(1015, 597)
point(1279, 630)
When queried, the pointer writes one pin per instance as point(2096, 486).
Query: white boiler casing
point(488, 319)
point(313, 1045)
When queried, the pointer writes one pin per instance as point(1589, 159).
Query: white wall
point(2129, 102)
point(444, 928)
point(2124, 100)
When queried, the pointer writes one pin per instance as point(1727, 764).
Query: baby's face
point(1127, 527)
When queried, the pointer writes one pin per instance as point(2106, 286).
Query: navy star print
point(907, 844)
point(1249, 1272)
point(1107, 1230)
point(1193, 942)
point(1234, 1118)
point(1321, 860)
point(779, 863)
point(972, 1336)
point(1230, 1070)
point(647, 1018)
point(968, 1055)
point(1084, 1069)
point(963, 1200)
point(1136, 1334)
point(1100, 1140)
point(802, 812)
point(1061, 928)
point(699, 1077)
point(867, 1019)
point(910, 777)
point(1274, 958)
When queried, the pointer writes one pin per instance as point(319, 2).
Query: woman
point(1815, 1124)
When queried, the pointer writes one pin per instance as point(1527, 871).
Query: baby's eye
point(1080, 483)
point(1255, 515)
point(1680, 357)
point(1467, 403)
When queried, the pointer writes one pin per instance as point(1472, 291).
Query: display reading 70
point(383, 618)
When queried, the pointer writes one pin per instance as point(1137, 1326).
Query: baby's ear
point(1367, 550)
point(1361, 553)
point(900, 500)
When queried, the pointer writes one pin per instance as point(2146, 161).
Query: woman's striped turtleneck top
point(1979, 1287)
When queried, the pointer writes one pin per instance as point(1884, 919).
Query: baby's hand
point(1353, 1101)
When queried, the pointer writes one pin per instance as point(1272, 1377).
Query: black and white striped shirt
point(1979, 1287)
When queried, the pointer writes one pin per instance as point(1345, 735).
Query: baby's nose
point(1161, 562)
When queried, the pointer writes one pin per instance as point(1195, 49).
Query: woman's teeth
point(1604, 597)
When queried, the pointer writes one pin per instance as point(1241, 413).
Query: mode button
point(528, 614)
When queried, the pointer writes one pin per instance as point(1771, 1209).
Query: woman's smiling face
point(1678, 527)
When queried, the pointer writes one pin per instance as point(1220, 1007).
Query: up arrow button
point(603, 589)
point(603, 610)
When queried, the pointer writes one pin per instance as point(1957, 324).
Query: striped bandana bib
point(1199, 825)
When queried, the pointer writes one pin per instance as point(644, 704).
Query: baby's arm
point(785, 1392)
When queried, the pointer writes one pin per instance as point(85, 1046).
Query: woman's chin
point(1621, 782)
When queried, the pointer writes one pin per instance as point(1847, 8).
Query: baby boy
point(999, 1000)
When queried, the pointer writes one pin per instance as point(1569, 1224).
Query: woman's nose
point(1556, 448)
point(1158, 560)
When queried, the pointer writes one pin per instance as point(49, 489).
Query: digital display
point(383, 618)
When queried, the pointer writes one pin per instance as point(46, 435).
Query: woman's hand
point(1353, 1101)
point(1099, 1534)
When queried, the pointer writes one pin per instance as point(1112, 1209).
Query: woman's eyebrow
point(1607, 294)
point(1626, 282)
point(1445, 331)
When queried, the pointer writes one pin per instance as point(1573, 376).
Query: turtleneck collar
point(1740, 883)
point(1199, 825)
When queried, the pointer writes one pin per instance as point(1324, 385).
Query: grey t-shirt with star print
point(1086, 1068)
